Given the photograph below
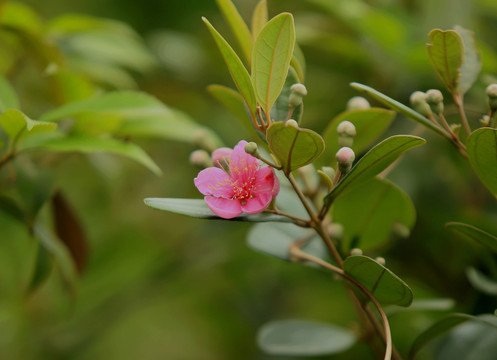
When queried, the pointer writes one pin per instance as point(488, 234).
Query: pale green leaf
point(446, 53)
point(293, 146)
point(303, 338)
point(199, 209)
point(273, 50)
point(232, 101)
point(386, 287)
point(472, 232)
point(482, 152)
point(17, 125)
point(373, 162)
point(470, 69)
point(259, 18)
point(370, 124)
point(238, 26)
point(424, 305)
point(238, 72)
point(370, 212)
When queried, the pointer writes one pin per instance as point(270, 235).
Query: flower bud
point(335, 230)
point(297, 92)
point(485, 120)
point(418, 103)
point(346, 133)
point(358, 103)
point(492, 96)
point(220, 156)
point(292, 123)
point(455, 128)
point(202, 140)
point(329, 171)
point(434, 98)
point(345, 157)
point(355, 252)
point(252, 149)
point(381, 260)
point(201, 159)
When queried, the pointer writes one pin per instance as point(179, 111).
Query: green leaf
point(482, 153)
point(470, 69)
point(472, 232)
point(279, 111)
point(303, 338)
point(370, 124)
point(370, 212)
point(444, 325)
point(298, 63)
point(386, 287)
point(293, 146)
point(10, 207)
point(273, 50)
point(374, 162)
point(232, 101)
point(442, 304)
point(397, 106)
point(259, 18)
point(199, 209)
point(8, 97)
point(17, 125)
point(41, 270)
point(238, 72)
point(91, 144)
point(481, 282)
point(276, 239)
point(238, 26)
point(446, 55)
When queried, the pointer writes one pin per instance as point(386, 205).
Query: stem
point(296, 220)
point(458, 101)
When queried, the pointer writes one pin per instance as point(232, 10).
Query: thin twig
point(458, 101)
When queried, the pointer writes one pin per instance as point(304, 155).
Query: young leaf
point(397, 106)
point(293, 146)
point(369, 123)
point(17, 125)
point(238, 26)
point(386, 287)
point(273, 50)
point(370, 212)
point(8, 97)
point(472, 232)
point(482, 153)
point(235, 66)
point(259, 18)
point(446, 55)
point(375, 161)
point(199, 209)
point(276, 239)
point(472, 63)
point(303, 338)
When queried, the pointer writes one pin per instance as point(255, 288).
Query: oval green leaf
point(373, 162)
point(472, 232)
point(470, 69)
point(294, 147)
point(303, 338)
point(369, 124)
point(446, 53)
point(199, 209)
point(386, 287)
point(238, 72)
point(482, 153)
point(370, 212)
point(273, 50)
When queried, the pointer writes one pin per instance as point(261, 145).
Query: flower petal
point(243, 166)
point(214, 181)
point(225, 208)
point(266, 182)
point(257, 204)
point(220, 156)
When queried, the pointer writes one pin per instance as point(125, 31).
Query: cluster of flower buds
point(418, 103)
point(427, 103)
point(435, 99)
point(297, 93)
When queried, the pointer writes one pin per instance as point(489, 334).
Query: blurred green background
point(164, 286)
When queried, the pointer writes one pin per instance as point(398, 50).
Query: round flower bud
point(485, 120)
point(220, 156)
point(434, 98)
point(201, 159)
point(492, 96)
point(381, 260)
point(252, 149)
point(345, 157)
point(346, 128)
point(328, 170)
point(292, 123)
point(355, 252)
point(298, 89)
point(418, 103)
point(297, 92)
point(358, 103)
point(335, 230)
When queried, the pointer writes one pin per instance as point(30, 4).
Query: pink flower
point(245, 188)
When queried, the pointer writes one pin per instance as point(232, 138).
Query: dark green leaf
point(370, 124)
point(279, 111)
point(482, 153)
point(386, 287)
point(238, 72)
point(369, 213)
point(303, 338)
point(397, 106)
point(481, 282)
point(199, 209)
point(11, 207)
point(41, 270)
point(446, 55)
point(293, 146)
point(273, 50)
point(8, 97)
point(472, 232)
point(298, 63)
point(373, 162)
point(470, 69)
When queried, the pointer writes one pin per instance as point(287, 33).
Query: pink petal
point(225, 208)
point(243, 166)
point(266, 182)
point(214, 181)
point(257, 204)
point(219, 156)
